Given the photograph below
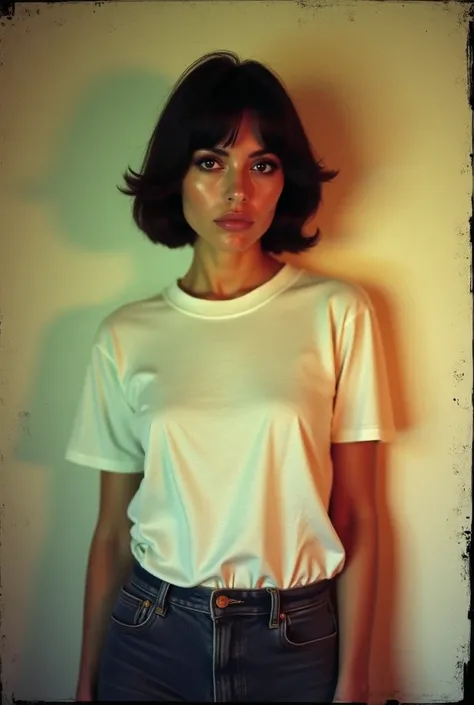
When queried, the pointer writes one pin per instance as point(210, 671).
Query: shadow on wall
point(110, 130)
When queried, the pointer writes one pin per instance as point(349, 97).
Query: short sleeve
point(102, 436)
point(362, 407)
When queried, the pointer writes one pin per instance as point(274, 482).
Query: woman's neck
point(210, 282)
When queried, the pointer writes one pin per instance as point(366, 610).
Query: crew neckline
point(210, 308)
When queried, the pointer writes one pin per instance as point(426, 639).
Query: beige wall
point(382, 91)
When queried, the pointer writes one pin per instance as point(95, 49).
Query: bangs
point(217, 118)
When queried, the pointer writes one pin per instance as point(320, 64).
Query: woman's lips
point(234, 224)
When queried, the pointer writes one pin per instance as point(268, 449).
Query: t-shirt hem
point(101, 463)
point(384, 435)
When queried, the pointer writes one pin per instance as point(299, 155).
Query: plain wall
point(381, 88)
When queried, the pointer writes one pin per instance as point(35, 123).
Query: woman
point(235, 419)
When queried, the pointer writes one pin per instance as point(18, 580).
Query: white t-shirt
point(229, 409)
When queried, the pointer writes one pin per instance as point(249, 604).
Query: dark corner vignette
point(7, 9)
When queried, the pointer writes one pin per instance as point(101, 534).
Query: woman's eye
point(272, 167)
point(204, 163)
point(269, 167)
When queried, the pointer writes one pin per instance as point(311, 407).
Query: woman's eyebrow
point(224, 153)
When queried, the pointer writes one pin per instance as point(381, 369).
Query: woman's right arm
point(110, 562)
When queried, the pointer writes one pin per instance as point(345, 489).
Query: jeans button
point(222, 601)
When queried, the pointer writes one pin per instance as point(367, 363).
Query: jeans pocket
point(308, 625)
point(134, 608)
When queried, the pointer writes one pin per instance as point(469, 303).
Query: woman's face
point(244, 179)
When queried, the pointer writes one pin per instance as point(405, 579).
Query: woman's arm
point(353, 514)
point(110, 562)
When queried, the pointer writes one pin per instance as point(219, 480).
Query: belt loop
point(275, 608)
point(160, 605)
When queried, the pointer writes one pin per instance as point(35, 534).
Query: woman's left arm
point(354, 517)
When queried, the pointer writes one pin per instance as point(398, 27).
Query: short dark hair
point(205, 108)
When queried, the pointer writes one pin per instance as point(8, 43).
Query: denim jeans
point(171, 644)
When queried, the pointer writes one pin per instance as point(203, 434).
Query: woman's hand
point(352, 692)
point(84, 693)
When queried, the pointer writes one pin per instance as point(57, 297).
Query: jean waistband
point(224, 602)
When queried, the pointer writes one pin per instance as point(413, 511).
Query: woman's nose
point(238, 186)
